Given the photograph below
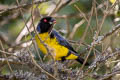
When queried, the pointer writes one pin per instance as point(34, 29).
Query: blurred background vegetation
point(81, 22)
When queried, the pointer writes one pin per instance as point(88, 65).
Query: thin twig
point(104, 77)
point(21, 6)
point(6, 57)
point(76, 26)
point(35, 63)
point(59, 6)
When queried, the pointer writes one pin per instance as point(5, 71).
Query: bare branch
point(21, 6)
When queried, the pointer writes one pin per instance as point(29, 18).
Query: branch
point(99, 39)
point(60, 5)
point(102, 58)
point(109, 75)
point(21, 6)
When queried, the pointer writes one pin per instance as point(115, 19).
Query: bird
point(49, 38)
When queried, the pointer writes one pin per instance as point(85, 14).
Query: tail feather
point(81, 60)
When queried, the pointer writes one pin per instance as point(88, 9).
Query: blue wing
point(62, 41)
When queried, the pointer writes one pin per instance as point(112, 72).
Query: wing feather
point(62, 41)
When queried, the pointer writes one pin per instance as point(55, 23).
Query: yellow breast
point(56, 50)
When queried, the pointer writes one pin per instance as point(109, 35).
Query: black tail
point(81, 60)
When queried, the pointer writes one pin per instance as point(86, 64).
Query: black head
point(46, 24)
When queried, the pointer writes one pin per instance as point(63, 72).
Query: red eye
point(45, 20)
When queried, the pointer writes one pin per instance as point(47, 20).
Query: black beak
point(53, 21)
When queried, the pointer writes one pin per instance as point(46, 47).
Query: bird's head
point(46, 24)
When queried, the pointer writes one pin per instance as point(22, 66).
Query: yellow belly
point(56, 50)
